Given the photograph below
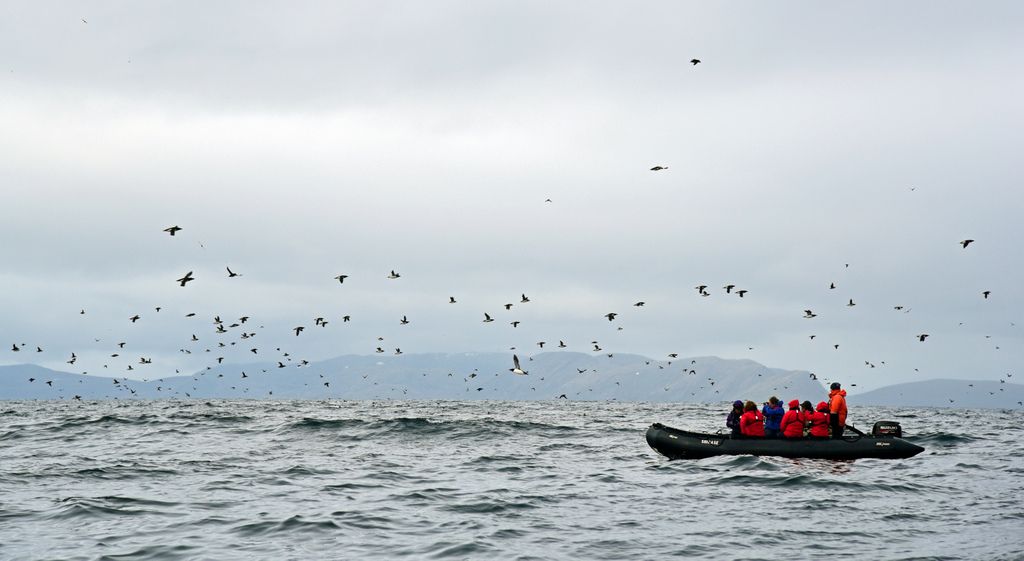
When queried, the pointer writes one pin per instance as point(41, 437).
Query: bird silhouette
point(986, 293)
point(186, 279)
point(610, 316)
point(516, 369)
point(659, 168)
point(394, 275)
point(695, 61)
point(966, 243)
point(173, 229)
point(341, 278)
point(922, 337)
point(487, 318)
point(232, 274)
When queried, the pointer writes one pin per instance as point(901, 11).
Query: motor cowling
point(887, 428)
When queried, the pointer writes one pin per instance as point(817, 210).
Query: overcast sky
point(816, 143)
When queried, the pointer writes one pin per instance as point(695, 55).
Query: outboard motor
point(887, 428)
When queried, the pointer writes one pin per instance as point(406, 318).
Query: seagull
point(695, 61)
point(187, 278)
point(393, 275)
point(341, 278)
point(966, 243)
point(659, 168)
point(487, 318)
point(173, 229)
point(517, 369)
point(232, 274)
point(922, 337)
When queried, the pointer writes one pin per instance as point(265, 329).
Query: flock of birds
point(221, 327)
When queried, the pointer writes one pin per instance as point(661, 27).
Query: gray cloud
point(294, 144)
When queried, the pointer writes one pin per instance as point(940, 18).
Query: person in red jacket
point(792, 425)
point(837, 410)
point(752, 422)
point(818, 420)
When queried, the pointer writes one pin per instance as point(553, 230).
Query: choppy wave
point(312, 480)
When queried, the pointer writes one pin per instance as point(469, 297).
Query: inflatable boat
point(885, 441)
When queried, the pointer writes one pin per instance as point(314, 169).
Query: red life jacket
point(792, 425)
point(819, 423)
point(752, 423)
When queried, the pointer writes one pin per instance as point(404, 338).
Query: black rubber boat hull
point(679, 444)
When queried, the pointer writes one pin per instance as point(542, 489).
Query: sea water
point(166, 480)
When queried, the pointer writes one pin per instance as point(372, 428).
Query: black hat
point(835, 385)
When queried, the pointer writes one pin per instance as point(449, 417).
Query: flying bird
point(232, 274)
point(187, 278)
point(659, 168)
point(695, 61)
point(741, 292)
point(524, 299)
point(809, 314)
point(404, 321)
point(298, 330)
point(135, 318)
point(394, 275)
point(922, 337)
point(966, 243)
point(986, 293)
point(728, 288)
point(451, 299)
point(850, 303)
point(341, 278)
point(610, 316)
point(516, 368)
point(173, 229)
point(487, 318)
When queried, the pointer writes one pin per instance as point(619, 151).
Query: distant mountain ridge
point(624, 377)
point(971, 394)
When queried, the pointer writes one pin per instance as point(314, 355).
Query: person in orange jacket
point(752, 422)
point(792, 425)
point(837, 410)
point(817, 418)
